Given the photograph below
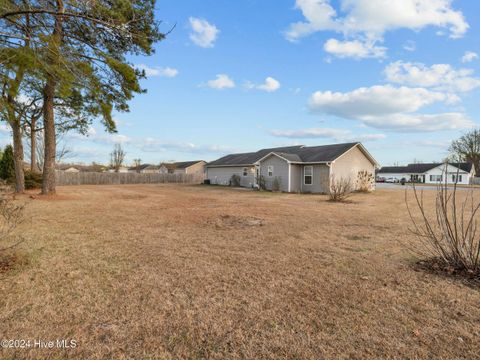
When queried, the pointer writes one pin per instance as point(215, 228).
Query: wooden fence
point(106, 178)
point(475, 180)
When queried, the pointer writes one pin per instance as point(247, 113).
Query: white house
point(431, 173)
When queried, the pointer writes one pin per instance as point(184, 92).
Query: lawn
point(165, 271)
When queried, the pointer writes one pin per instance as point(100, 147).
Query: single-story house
point(121, 169)
point(75, 168)
point(184, 167)
point(431, 173)
point(294, 168)
point(145, 169)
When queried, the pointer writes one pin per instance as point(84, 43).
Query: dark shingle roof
point(300, 153)
point(420, 168)
point(324, 153)
point(185, 164)
point(139, 167)
point(250, 158)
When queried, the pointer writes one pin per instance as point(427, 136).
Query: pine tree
point(7, 166)
point(79, 51)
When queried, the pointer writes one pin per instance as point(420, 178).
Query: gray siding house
point(294, 168)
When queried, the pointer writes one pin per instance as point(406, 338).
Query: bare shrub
point(11, 215)
point(340, 189)
point(365, 181)
point(235, 180)
point(447, 230)
point(277, 183)
point(262, 182)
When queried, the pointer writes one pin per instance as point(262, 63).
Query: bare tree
point(117, 156)
point(63, 152)
point(467, 148)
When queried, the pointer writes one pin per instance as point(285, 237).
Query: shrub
point(447, 230)
point(277, 183)
point(235, 180)
point(340, 189)
point(33, 180)
point(11, 215)
point(262, 183)
point(365, 181)
point(7, 165)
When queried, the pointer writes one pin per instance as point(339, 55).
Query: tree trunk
point(33, 146)
point(18, 157)
point(48, 183)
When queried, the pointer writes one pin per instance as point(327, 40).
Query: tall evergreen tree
point(7, 166)
point(79, 49)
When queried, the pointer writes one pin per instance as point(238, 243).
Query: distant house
point(431, 173)
point(167, 168)
point(122, 169)
point(72, 169)
point(68, 168)
point(145, 169)
point(295, 168)
point(183, 167)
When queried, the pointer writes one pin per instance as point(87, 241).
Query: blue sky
point(233, 76)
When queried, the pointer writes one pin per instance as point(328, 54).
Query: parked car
point(391, 180)
point(380, 179)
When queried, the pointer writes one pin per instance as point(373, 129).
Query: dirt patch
point(440, 268)
point(9, 262)
point(236, 222)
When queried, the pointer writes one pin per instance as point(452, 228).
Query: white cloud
point(355, 49)
point(469, 56)
point(369, 20)
point(319, 15)
point(328, 133)
point(389, 107)
point(438, 76)
point(5, 129)
point(420, 122)
point(204, 34)
point(150, 144)
point(410, 45)
point(376, 100)
point(270, 85)
point(158, 71)
point(100, 137)
point(222, 81)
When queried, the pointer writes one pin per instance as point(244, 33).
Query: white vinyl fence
point(106, 178)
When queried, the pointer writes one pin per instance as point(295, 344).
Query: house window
point(308, 175)
point(245, 171)
point(270, 170)
point(436, 178)
point(456, 178)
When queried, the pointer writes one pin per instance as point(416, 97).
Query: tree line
point(63, 63)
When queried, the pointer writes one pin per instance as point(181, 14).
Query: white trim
point(272, 153)
point(310, 166)
point(289, 177)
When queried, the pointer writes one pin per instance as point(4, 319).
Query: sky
point(401, 76)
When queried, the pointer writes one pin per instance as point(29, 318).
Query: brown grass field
point(170, 271)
